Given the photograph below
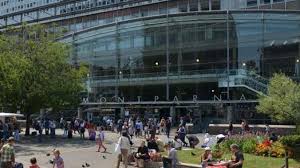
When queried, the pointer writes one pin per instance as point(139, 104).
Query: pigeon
point(87, 165)
point(83, 166)
point(104, 157)
point(193, 154)
point(48, 154)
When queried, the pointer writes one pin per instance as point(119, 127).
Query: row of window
point(19, 5)
point(262, 2)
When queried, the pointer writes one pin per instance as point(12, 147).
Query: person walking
point(138, 128)
point(182, 134)
point(162, 125)
point(230, 129)
point(101, 140)
point(8, 154)
point(58, 160)
point(82, 129)
point(124, 145)
point(168, 127)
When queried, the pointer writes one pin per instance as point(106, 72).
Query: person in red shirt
point(33, 163)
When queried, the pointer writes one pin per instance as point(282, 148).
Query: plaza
point(184, 68)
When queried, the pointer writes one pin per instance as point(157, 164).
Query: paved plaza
point(75, 152)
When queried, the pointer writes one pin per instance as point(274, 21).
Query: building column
point(79, 113)
point(173, 114)
point(229, 113)
point(122, 112)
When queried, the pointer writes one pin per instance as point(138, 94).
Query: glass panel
point(182, 6)
point(204, 4)
point(194, 5)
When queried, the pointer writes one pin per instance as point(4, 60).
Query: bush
point(249, 146)
point(290, 140)
point(278, 150)
point(246, 143)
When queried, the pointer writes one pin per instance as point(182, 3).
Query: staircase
point(242, 78)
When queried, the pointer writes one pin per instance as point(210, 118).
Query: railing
point(252, 83)
point(240, 77)
point(216, 72)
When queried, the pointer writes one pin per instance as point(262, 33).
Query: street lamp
point(297, 60)
point(156, 63)
point(197, 60)
point(244, 64)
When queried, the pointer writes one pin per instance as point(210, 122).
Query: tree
point(35, 72)
point(283, 100)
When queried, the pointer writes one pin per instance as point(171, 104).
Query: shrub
point(290, 140)
point(264, 148)
point(246, 143)
point(217, 152)
point(249, 146)
point(278, 149)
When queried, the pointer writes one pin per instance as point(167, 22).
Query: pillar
point(122, 112)
point(229, 113)
point(79, 113)
point(172, 114)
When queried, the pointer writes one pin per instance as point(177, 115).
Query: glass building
point(206, 58)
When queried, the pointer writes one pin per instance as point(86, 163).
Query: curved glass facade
point(129, 58)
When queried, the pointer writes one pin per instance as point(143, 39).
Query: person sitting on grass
point(33, 163)
point(206, 157)
point(237, 158)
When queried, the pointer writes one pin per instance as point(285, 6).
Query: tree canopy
point(36, 71)
point(283, 100)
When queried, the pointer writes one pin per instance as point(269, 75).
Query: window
point(215, 5)
point(193, 5)
point(274, 1)
point(182, 6)
point(204, 4)
point(251, 2)
point(265, 1)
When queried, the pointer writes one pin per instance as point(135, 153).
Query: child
point(58, 161)
point(33, 163)
point(101, 140)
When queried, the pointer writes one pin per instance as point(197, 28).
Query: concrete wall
point(215, 129)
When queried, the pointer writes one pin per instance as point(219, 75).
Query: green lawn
point(251, 161)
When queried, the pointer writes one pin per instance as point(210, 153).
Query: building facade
point(206, 58)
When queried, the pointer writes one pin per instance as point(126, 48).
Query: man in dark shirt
point(237, 157)
point(153, 145)
point(236, 160)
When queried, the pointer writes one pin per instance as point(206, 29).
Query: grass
point(251, 161)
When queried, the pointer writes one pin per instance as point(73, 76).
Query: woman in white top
point(101, 140)
point(124, 145)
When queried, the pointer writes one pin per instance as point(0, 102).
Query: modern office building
point(206, 58)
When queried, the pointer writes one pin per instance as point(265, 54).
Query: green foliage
point(35, 71)
point(249, 146)
point(290, 140)
point(283, 100)
point(246, 143)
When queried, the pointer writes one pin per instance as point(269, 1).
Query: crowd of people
point(130, 130)
point(10, 128)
